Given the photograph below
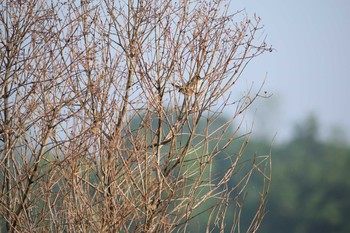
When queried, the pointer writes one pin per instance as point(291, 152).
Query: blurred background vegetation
point(310, 186)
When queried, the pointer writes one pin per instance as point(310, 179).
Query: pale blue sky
point(309, 71)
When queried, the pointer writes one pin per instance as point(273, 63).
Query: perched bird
point(192, 87)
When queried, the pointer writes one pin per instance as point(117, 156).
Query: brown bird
point(192, 87)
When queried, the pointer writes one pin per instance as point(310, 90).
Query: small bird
point(192, 87)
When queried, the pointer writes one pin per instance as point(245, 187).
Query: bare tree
point(107, 114)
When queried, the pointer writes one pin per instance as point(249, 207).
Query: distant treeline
point(310, 187)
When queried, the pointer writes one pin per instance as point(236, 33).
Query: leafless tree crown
point(109, 116)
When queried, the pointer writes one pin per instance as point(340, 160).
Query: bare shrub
point(110, 115)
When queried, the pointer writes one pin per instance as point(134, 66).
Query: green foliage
point(310, 184)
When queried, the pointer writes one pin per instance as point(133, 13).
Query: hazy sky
point(309, 71)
